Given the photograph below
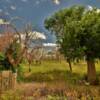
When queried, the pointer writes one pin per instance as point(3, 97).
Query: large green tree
point(77, 31)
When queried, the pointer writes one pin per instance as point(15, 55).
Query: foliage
point(77, 30)
point(2, 56)
point(20, 73)
point(78, 33)
point(89, 36)
point(13, 50)
point(65, 23)
point(4, 63)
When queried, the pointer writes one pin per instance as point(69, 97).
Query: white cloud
point(49, 44)
point(57, 2)
point(90, 7)
point(13, 7)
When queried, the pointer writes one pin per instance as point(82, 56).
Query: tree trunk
point(70, 65)
point(91, 71)
point(29, 67)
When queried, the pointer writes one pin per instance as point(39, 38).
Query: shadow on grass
point(52, 76)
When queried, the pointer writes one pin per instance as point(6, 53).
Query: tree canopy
point(78, 32)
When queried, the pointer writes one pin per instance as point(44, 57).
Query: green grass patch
point(55, 71)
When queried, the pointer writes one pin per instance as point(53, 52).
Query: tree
point(89, 38)
point(18, 49)
point(64, 24)
point(14, 46)
point(77, 32)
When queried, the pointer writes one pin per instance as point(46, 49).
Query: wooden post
point(7, 80)
point(14, 78)
point(0, 82)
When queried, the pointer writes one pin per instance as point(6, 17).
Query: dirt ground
point(57, 91)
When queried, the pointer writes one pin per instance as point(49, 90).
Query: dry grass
point(53, 81)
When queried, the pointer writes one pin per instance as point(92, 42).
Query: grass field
point(52, 80)
point(55, 71)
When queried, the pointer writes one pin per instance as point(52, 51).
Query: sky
point(36, 11)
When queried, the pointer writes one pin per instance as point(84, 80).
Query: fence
point(7, 80)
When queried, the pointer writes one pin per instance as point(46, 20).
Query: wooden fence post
point(7, 80)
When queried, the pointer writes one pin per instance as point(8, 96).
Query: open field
point(55, 71)
point(53, 81)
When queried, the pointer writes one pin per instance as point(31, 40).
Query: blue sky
point(35, 11)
